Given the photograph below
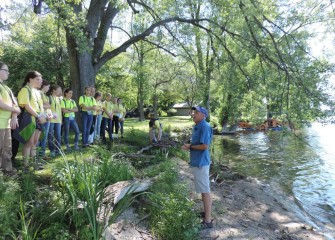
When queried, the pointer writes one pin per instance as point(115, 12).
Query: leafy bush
point(9, 201)
point(56, 231)
point(167, 128)
point(170, 209)
point(84, 182)
point(171, 112)
point(167, 180)
point(214, 121)
point(155, 170)
point(163, 113)
point(28, 186)
point(137, 138)
point(172, 217)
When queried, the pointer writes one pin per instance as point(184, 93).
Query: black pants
point(115, 123)
point(15, 148)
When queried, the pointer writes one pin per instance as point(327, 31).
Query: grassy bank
point(62, 200)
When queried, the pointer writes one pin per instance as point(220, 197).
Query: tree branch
point(111, 54)
point(106, 21)
point(132, 7)
point(159, 46)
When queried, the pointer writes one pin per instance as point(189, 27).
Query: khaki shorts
point(201, 179)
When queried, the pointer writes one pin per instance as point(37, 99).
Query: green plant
point(214, 121)
point(167, 128)
point(57, 231)
point(171, 112)
point(167, 181)
point(28, 186)
point(83, 183)
point(80, 185)
point(9, 199)
point(137, 137)
point(172, 217)
point(27, 232)
point(171, 214)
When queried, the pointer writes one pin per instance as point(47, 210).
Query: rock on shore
point(243, 209)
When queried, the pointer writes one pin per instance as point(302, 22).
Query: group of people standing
point(40, 112)
point(41, 108)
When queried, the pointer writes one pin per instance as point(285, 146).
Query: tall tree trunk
point(82, 72)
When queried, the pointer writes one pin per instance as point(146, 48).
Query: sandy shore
point(243, 209)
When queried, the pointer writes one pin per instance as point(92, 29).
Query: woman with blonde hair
point(87, 104)
point(97, 126)
point(48, 114)
point(54, 137)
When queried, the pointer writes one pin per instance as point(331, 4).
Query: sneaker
point(52, 154)
point(206, 225)
point(68, 149)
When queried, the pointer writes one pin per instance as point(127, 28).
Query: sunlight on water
point(303, 167)
point(315, 189)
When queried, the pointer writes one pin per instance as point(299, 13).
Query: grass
point(50, 197)
point(175, 123)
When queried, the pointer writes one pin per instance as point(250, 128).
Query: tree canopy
point(239, 58)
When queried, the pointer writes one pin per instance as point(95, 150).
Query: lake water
point(303, 166)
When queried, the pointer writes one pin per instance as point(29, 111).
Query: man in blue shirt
point(200, 160)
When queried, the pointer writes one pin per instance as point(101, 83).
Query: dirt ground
point(243, 209)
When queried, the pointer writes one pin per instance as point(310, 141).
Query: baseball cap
point(201, 109)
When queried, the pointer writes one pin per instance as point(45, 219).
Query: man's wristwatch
point(190, 146)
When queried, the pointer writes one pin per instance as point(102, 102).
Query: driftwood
point(132, 155)
point(114, 193)
point(163, 145)
point(145, 149)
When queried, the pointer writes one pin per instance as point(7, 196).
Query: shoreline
point(243, 209)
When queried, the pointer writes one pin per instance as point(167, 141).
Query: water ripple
point(305, 169)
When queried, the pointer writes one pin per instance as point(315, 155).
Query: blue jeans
point(97, 126)
point(104, 123)
point(54, 138)
point(121, 127)
point(43, 142)
point(70, 123)
point(87, 121)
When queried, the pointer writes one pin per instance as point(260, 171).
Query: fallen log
point(132, 155)
point(114, 193)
